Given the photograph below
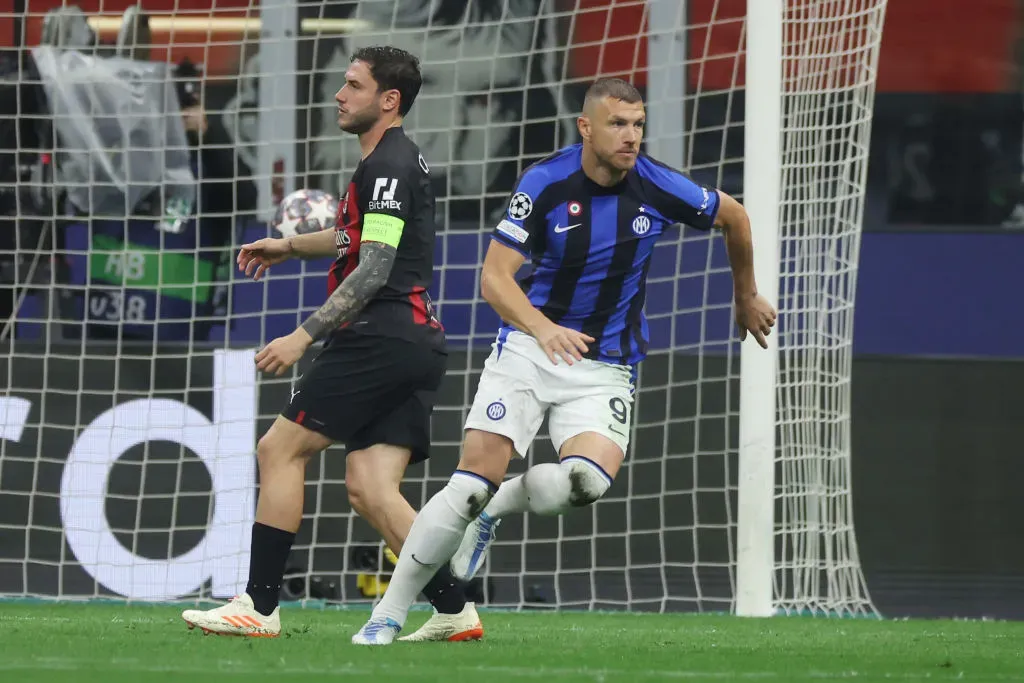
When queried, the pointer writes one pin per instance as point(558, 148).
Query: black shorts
point(368, 390)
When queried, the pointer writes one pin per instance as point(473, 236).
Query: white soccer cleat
point(379, 631)
point(237, 618)
point(452, 628)
point(472, 553)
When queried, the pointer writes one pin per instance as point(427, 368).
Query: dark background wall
point(937, 474)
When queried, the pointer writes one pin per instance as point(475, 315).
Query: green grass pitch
point(106, 643)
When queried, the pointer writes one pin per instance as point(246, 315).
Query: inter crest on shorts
point(496, 410)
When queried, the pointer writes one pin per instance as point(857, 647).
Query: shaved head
point(616, 88)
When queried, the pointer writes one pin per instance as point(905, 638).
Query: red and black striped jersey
point(390, 194)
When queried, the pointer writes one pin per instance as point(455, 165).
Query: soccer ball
point(305, 211)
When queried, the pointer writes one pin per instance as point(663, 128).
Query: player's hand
point(755, 315)
point(256, 257)
point(561, 342)
point(282, 353)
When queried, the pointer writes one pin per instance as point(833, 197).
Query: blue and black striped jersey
point(591, 245)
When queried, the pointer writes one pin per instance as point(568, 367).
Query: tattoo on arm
point(355, 291)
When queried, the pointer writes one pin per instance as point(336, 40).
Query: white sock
point(511, 497)
point(556, 488)
point(433, 539)
point(551, 488)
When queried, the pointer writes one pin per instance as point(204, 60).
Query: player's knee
point(368, 491)
point(276, 449)
point(367, 497)
point(269, 453)
point(468, 493)
point(576, 481)
point(587, 480)
point(359, 496)
point(485, 454)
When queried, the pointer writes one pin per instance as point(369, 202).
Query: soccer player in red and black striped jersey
point(373, 385)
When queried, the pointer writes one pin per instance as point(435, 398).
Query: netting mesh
point(830, 62)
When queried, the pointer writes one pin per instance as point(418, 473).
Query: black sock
point(445, 592)
point(270, 548)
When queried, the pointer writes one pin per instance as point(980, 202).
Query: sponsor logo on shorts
point(496, 410)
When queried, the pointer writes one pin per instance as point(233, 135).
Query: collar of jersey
point(593, 188)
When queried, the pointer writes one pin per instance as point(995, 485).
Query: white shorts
point(519, 384)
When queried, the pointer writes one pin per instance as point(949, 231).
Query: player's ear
point(583, 125)
point(389, 100)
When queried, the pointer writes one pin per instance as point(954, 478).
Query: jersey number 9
point(619, 411)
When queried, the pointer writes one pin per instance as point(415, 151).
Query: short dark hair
point(615, 88)
point(393, 69)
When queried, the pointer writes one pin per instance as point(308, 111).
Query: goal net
point(140, 148)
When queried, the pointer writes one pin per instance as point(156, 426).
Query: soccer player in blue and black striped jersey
point(588, 218)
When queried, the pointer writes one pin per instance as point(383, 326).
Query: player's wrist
point(303, 335)
point(535, 325)
point(744, 294)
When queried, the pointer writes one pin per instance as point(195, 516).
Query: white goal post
point(762, 194)
point(735, 496)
